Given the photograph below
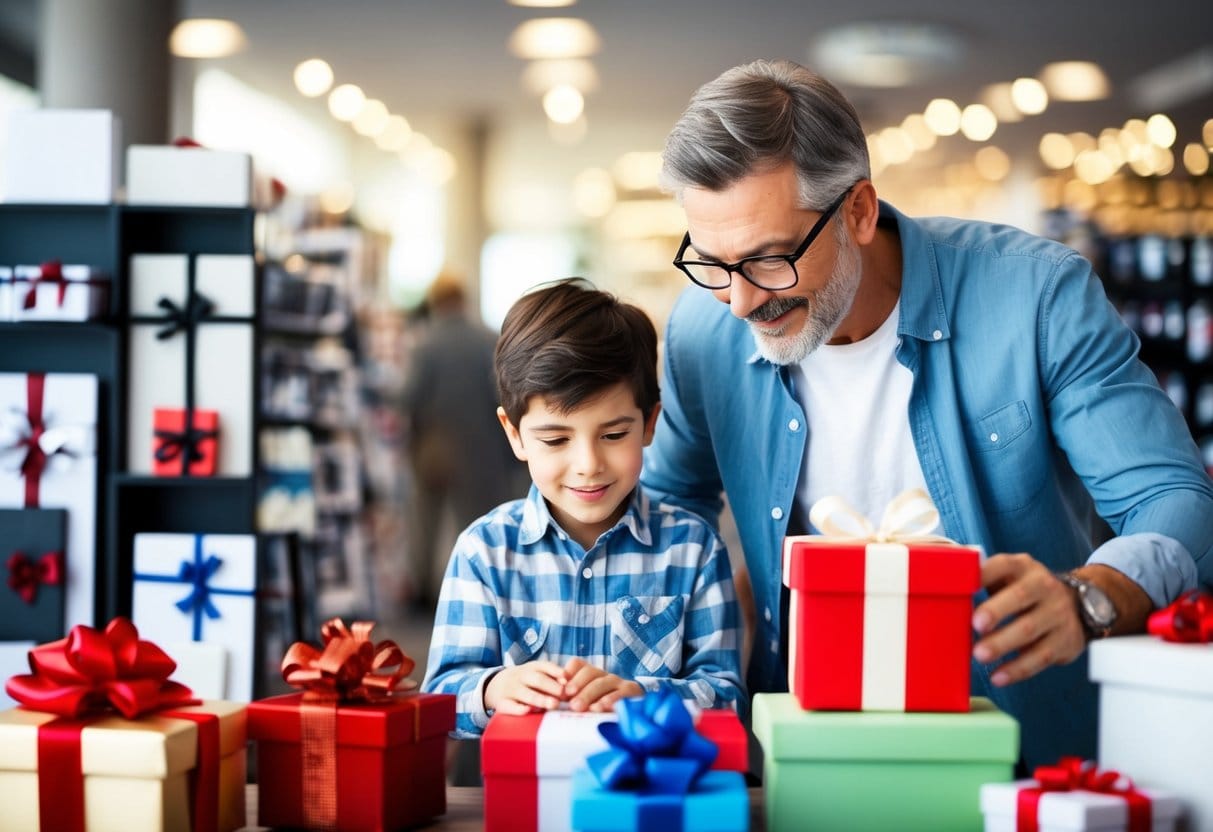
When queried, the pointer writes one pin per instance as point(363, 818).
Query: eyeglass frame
point(738, 266)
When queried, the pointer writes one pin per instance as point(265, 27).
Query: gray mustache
point(775, 307)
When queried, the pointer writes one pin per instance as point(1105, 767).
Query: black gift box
point(32, 597)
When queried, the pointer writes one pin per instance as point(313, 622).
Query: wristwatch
point(1095, 608)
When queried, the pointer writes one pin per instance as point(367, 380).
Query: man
point(863, 353)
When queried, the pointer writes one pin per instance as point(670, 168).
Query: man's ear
point(650, 424)
point(862, 211)
point(511, 433)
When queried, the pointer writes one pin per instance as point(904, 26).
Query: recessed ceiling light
point(206, 37)
point(554, 37)
point(542, 4)
point(1029, 96)
point(563, 104)
point(313, 77)
point(885, 54)
point(345, 102)
point(1075, 81)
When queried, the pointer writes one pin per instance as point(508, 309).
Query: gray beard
point(826, 309)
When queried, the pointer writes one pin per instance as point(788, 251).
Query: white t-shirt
point(856, 399)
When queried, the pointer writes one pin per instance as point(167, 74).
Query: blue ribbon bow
point(654, 747)
point(197, 573)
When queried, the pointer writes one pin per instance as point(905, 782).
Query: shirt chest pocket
point(1009, 465)
point(647, 633)
point(522, 638)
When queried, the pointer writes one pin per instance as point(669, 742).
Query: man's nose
point(744, 297)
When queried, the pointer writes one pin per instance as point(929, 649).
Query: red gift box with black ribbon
point(105, 741)
point(355, 750)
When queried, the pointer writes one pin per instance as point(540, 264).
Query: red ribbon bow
point(90, 671)
point(49, 272)
point(1075, 774)
point(25, 575)
point(1189, 619)
point(350, 667)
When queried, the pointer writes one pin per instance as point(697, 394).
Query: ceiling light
point(920, 134)
point(542, 4)
point(372, 118)
point(313, 77)
point(337, 199)
point(541, 76)
point(554, 37)
point(1196, 159)
point(637, 170)
point(345, 102)
point(1093, 167)
point(1161, 130)
point(1075, 81)
point(977, 122)
point(887, 53)
point(998, 98)
point(943, 116)
point(1056, 151)
point(206, 37)
point(395, 135)
point(1029, 96)
point(896, 145)
point(992, 163)
point(1206, 134)
point(563, 104)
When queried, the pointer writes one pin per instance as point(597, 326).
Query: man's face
point(760, 215)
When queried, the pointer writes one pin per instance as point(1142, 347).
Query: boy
point(586, 591)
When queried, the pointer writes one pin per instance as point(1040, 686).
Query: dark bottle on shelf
point(1152, 257)
point(1201, 261)
point(1152, 319)
point(1122, 260)
point(1203, 414)
point(1173, 320)
point(1200, 332)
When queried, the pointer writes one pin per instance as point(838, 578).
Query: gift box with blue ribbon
point(655, 775)
point(193, 588)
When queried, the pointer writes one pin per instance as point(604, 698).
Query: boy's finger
point(542, 683)
point(594, 691)
point(548, 668)
point(573, 666)
point(584, 676)
point(513, 707)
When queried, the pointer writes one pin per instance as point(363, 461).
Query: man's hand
point(525, 688)
point(1046, 629)
point(593, 689)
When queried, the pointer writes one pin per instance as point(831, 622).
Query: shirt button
point(642, 618)
point(562, 535)
point(937, 335)
point(622, 603)
point(530, 637)
point(993, 437)
point(794, 425)
point(587, 573)
point(767, 613)
point(774, 646)
point(777, 513)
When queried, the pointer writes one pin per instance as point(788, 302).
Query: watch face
point(1098, 606)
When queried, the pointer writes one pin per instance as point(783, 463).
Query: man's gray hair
point(761, 115)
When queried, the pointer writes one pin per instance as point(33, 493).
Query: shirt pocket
point(1009, 466)
point(522, 639)
point(646, 634)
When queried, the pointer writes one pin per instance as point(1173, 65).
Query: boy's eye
point(615, 437)
point(552, 443)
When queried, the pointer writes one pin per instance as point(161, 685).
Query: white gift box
point(69, 479)
point(200, 588)
point(166, 175)
point(61, 156)
point(6, 293)
point(14, 659)
point(223, 354)
point(1082, 811)
point(1156, 716)
point(80, 295)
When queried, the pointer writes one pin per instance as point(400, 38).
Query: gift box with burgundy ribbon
point(55, 291)
point(358, 748)
point(528, 762)
point(879, 618)
point(190, 385)
point(1075, 795)
point(200, 588)
point(1156, 703)
point(873, 770)
point(48, 459)
point(655, 775)
point(187, 174)
point(104, 740)
point(31, 549)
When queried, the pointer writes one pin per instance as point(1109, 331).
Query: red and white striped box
point(880, 626)
point(528, 762)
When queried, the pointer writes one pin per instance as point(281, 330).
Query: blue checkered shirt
point(652, 600)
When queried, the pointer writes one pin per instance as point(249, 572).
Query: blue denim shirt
point(1037, 428)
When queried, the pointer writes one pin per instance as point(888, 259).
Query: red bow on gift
point(49, 272)
point(350, 667)
point(25, 575)
point(1189, 619)
point(1074, 774)
point(90, 670)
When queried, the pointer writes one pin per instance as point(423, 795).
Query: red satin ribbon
point(1189, 619)
point(49, 272)
point(1074, 774)
point(25, 574)
point(204, 778)
point(349, 669)
point(35, 458)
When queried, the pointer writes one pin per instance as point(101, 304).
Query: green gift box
point(841, 770)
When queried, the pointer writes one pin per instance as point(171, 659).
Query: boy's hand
point(525, 688)
point(593, 689)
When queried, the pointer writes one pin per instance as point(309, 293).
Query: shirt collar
point(537, 519)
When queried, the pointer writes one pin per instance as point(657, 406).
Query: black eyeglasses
point(771, 272)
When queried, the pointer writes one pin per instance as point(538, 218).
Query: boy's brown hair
point(568, 342)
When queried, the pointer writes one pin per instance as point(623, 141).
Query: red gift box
point(185, 451)
point(390, 760)
point(528, 762)
point(880, 626)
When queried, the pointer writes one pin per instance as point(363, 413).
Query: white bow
point(908, 518)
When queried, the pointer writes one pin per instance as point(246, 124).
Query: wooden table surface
point(465, 810)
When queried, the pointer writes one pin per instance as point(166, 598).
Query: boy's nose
point(589, 460)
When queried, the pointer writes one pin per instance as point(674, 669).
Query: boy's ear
point(511, 433)
point(650, 424)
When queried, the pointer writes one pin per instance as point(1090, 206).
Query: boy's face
point(585, 463)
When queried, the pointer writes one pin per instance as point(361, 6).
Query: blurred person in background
point(462, 466)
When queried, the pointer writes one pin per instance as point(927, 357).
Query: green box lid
point(787, 732)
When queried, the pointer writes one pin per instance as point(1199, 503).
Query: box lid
point(1146, 661)
point(1078, 810)
point(934, 568)
point(405, 718)
point(787, 732)
point(149, 747)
